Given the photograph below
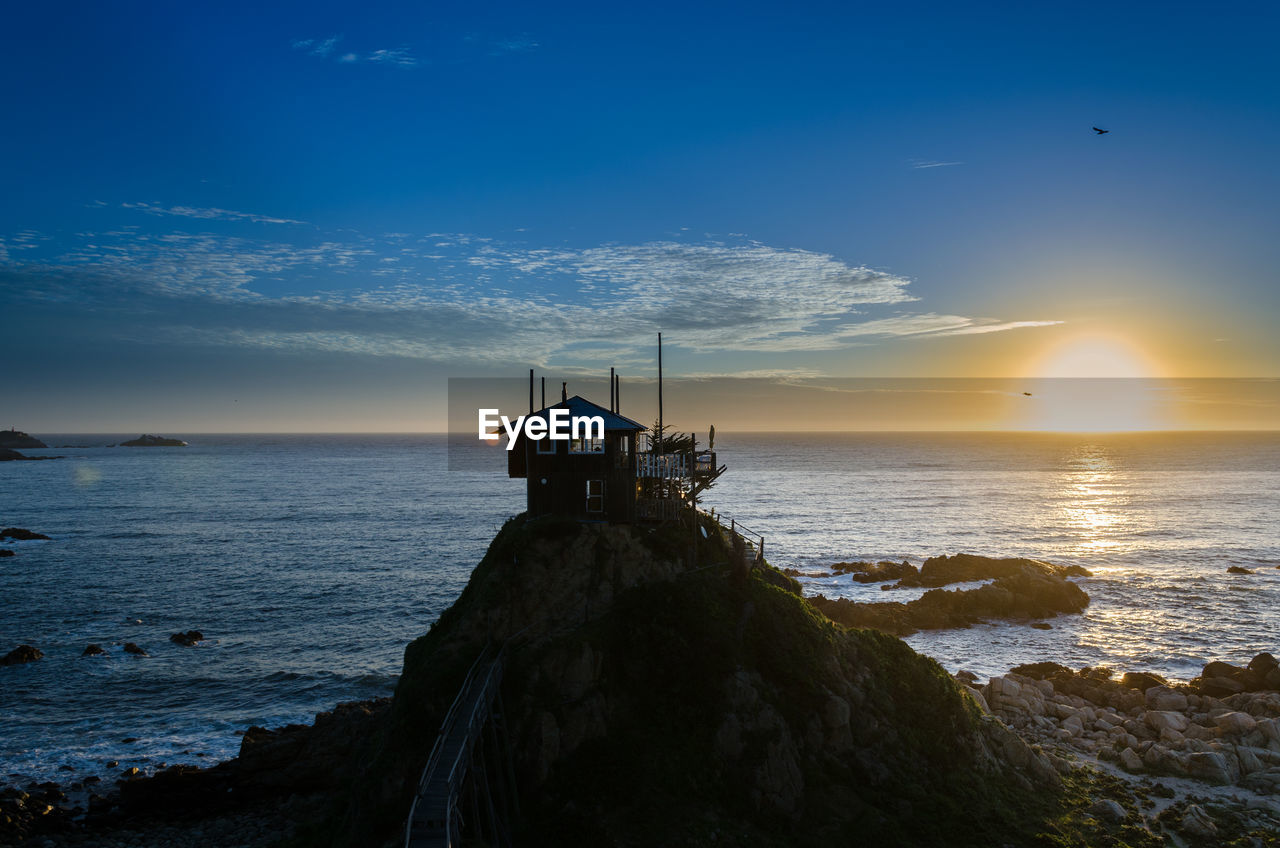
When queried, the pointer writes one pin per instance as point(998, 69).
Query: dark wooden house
point(584, 478)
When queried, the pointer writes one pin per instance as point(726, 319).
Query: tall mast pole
point(659, 393)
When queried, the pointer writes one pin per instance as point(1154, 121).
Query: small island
point(12, 438)
point(146, 441)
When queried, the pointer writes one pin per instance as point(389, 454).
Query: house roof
point(578, 405)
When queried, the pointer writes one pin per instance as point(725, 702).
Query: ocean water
point(309, 562)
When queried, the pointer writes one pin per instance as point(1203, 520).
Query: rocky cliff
point(652, 703)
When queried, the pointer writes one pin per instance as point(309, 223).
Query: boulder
point(190, 638)
point(1196, 822)
point(1164, 698)
point(93, 651)
point(1130, 760)
point(1210, 766)
point(1218, 687)
point(1160, 720)
point(1108, 810)
point(132, 648)
point(21, 654)
point(961, 568)
point(1263, 663)
point(1235, 723)
point(1142, 680)
point(1238, 569)
point(5, 552)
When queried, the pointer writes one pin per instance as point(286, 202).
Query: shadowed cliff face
point(653, 704)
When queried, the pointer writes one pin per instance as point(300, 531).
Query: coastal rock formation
point(9, 455)
point(132, 648)
point(865, 572)
point(21, 535)
point(190, 638)
point(5, 552)
point(1238, 569)
point(963, 568)
point(1170, 730)
point(93, 651)
point(652, 704)
point(148, 441)
point(21, 654)
point(1024, 589)
point(17, 439)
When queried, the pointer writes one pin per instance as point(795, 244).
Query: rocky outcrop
point(1025, 590)
point(189, 639)
point(1164, 729)
point(21, 535)
point(964, 568)
point(21, 654)
point(643, 697)
point(1220, 679)
point(9, 455)
point(5, 552)
point(132, 648)
point(18, 439)
point(93, 650)
point(880, 572)
point(148, 441)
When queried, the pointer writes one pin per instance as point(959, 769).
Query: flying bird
point(1100, 132)
point(1028, 394)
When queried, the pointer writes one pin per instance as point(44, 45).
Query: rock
point(1041, 670)
point(1164, 698)
point(148, 441)
point(1218, 687)
point(5, 552)
point(131, 648)
point(1142, 680)
point(12, 438)
point(961, 568)
point(1108, 810)
point(22, 535)
point(10, 455)
point(1159, 720)
point(1196, 822)
point(190, 638)
point(1238, 569)
point(93, 651)
point(21, 654)
point(132, 771)
point(1235, 723)
point(1263, 663)
point(865, 572)
point(1209, 766)
point(1130, 760)
point(1041, 625)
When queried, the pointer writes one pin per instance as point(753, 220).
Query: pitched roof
point(580, 406)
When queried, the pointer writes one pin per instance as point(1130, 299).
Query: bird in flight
point(1028, 394)
point(1100, 132)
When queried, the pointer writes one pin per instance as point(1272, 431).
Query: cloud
point(324, 48)
point(207, 213)
point(317, 47)
point(463, 298)
point(518, 44)
point(932, 324)
point(929, 163)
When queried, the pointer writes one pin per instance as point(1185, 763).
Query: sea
point(308, 562)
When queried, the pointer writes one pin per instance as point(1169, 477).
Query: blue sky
point(219, 216)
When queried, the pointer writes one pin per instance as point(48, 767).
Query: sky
point(308, 217)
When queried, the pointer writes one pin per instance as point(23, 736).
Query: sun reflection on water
point(1093, 500)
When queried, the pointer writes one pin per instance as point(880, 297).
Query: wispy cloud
point(465, 298)
point(517, 44)
point(931, 163)
point(325, 48)
point(211, 213)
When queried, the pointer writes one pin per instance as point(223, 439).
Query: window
point(586, 446)
point(595, 496)
point(546, 445)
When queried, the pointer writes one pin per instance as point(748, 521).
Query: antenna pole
point(659, 392)
point(531, 391)
point(612, 405)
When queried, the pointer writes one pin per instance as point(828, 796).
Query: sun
point(1094, 356)
point(1093, 384)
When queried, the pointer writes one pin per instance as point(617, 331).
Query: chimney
point(564, 392)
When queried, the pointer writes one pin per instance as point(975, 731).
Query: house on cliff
point(626, 476)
